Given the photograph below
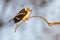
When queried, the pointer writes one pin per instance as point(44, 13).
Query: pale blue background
point(35, 28)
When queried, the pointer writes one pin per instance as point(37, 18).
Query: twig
point(49, 23)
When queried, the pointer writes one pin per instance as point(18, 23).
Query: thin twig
point(39, 17)
point(49, 23)
point(18, 25)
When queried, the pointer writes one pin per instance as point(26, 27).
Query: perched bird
point(22, 15)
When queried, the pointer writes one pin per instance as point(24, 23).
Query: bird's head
point(28, 9)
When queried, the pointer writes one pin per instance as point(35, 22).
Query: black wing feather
point(20, 16)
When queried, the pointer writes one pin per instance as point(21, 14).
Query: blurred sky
point(32, 29)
